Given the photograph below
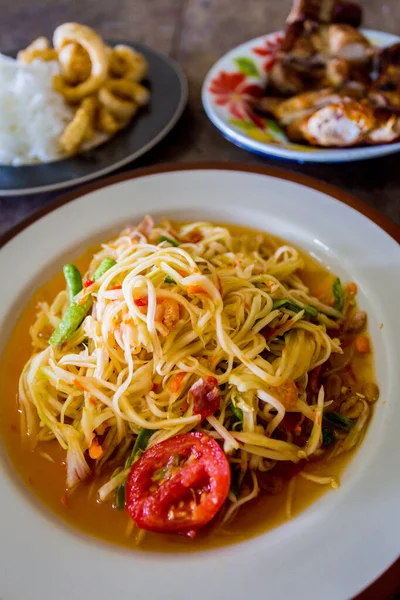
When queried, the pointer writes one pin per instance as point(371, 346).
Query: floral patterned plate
point(239, 77)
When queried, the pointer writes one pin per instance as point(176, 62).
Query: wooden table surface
point(196, 33)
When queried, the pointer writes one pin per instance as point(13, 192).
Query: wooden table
point(196, 33)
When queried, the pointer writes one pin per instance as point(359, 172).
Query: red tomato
point(206, 396)
point(179, 485)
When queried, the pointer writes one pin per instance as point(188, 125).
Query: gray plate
point(168, 98)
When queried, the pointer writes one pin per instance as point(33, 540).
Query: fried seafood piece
point(75, 65)
point(98, 54)
point(343, 124)
point(38, 49)
point(122, 97)
point(106, 122)
point(326, 11)
point(125, 62)
point(80, 128)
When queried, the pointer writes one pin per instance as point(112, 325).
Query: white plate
point(232, 85)
point(333, 549)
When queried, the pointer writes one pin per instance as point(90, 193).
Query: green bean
point(75, 313)
point(103, 267)
point(73, 279)
point(164, 238)
point(338, 293)
point(310, 310)
point(70, 322)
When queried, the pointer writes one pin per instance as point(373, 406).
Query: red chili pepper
point(88, 283)
point(269, 332)
point(314, 382)
point(141, 301)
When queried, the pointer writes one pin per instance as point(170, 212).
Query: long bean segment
point(70, 322)
point(103, 267)
point(75, 313)
point(73, 279)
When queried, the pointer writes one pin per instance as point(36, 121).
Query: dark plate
point(168, 98)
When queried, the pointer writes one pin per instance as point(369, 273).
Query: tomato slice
point(179, 485)
point(206, 396)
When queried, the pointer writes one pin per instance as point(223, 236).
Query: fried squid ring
point(80, 128)
point(39, 48)
point(122, 97)
point(106, 122)
point(94, 46)
point(127, 63)
point(75, 65)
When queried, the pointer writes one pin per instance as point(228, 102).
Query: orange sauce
point(81, 509)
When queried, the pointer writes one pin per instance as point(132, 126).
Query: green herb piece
point(169, 279)
point(177, 461)
point(328, 437)
point(103, 267)
point(247, 66)
point(164, 238)
point(310, 310)
point(338, 421)
point(139, 447)
point(140, 444)
point(236, 411)
point(338, 294)
point(120, 497)
point(235, 475)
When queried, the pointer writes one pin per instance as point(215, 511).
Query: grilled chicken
point(284, 80)
point(303, 105)
point(345, 124)
point(386, 130)
point(325, 67)
point(342, 74)
point(348, 43)
point(326, 11)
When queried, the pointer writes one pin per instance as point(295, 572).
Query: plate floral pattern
point(236, 81)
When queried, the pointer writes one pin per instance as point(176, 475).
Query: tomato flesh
point(179, 485)
point(206, 396)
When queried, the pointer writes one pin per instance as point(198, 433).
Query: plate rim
point(390, 576)
point(389, 226)
point(268, 150)
point(131, 157)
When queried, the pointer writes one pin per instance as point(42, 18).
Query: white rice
point(32, 114)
